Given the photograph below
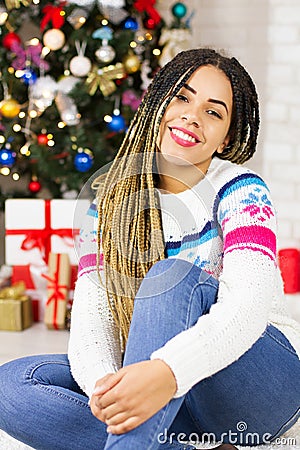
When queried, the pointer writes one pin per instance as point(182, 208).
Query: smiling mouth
point(183, 138)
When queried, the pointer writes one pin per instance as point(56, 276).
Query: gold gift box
point(58, 288)
point(15, 308)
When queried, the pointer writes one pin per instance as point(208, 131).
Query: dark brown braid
point(130, 229)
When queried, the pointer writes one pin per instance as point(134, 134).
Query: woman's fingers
point(133, 395)
point(106, 383)
point(117, 419)
point(123, 427)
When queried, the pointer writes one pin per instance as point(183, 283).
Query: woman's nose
point(191, 119)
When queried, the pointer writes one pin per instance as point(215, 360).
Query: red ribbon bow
point(57, 294)
point(52, 14)
point(148, 7)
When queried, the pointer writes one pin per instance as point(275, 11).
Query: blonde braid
point(128, 211)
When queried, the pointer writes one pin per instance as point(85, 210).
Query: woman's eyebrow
point(218, 102)
point(189, 88)
point(211, 100)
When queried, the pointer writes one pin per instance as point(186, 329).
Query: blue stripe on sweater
point(92, 211)
point(233, 185)
point(239, 182)
point(192, 240)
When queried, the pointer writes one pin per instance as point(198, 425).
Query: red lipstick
point(181, 140)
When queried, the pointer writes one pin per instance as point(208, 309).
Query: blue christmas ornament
point(179, 10)
point(103, 33)
point(130, 24)
point(29, 76)
point(83, 162)
point(117, 123)
point(7, 157)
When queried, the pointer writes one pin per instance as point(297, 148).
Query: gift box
point(36, 286)
point(15, 308)
point(58, 287)
point(289, 264)
point(73, 277)
point(36, 227)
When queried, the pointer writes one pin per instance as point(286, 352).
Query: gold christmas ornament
point(131, 63)
point(102, 79)
point(9, 108)
point(11, 4)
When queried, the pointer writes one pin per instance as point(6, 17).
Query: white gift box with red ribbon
point(36, 227)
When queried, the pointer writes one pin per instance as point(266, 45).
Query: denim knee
point(169, 274)
point(164, 265)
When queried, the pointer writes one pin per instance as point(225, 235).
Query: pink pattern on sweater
point(89, 261)
point(255, 210)
point(256, 234)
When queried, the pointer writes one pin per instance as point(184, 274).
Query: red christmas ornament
point(149, 23)
point(148, 7)
point(10, 39)
point(34, 186)
point(42, 139)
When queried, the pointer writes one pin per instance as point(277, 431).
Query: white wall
point(282, 137)
point(265, 36)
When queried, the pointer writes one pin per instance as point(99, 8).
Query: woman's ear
point(224, 144)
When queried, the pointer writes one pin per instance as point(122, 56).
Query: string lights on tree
point(72, 76)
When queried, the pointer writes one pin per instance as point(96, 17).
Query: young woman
point(179, 329)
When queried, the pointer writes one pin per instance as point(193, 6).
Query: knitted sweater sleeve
point(247, 219)
point(94, 346)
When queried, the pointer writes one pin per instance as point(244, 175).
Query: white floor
point(38, 339)
point(32, 341)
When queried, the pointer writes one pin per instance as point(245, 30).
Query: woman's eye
point(181, 97)
point(212, 112)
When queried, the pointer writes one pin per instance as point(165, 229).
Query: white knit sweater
point(227, 226)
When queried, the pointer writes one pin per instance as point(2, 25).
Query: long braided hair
point(129, 221)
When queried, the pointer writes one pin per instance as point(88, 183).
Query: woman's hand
point(135, 393)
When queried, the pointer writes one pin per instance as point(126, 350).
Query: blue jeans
point(252, 401)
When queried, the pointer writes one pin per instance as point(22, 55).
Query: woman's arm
point(94, 345)
point(94, 348)
point(246, 287)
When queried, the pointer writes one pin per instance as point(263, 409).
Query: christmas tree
point(72, 76)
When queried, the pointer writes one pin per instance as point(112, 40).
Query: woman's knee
point(10, 370)
point(168, 266)
point(11, 384)
point(35, 369)
point(172, 275)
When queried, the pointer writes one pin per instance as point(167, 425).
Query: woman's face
point(196, 123)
